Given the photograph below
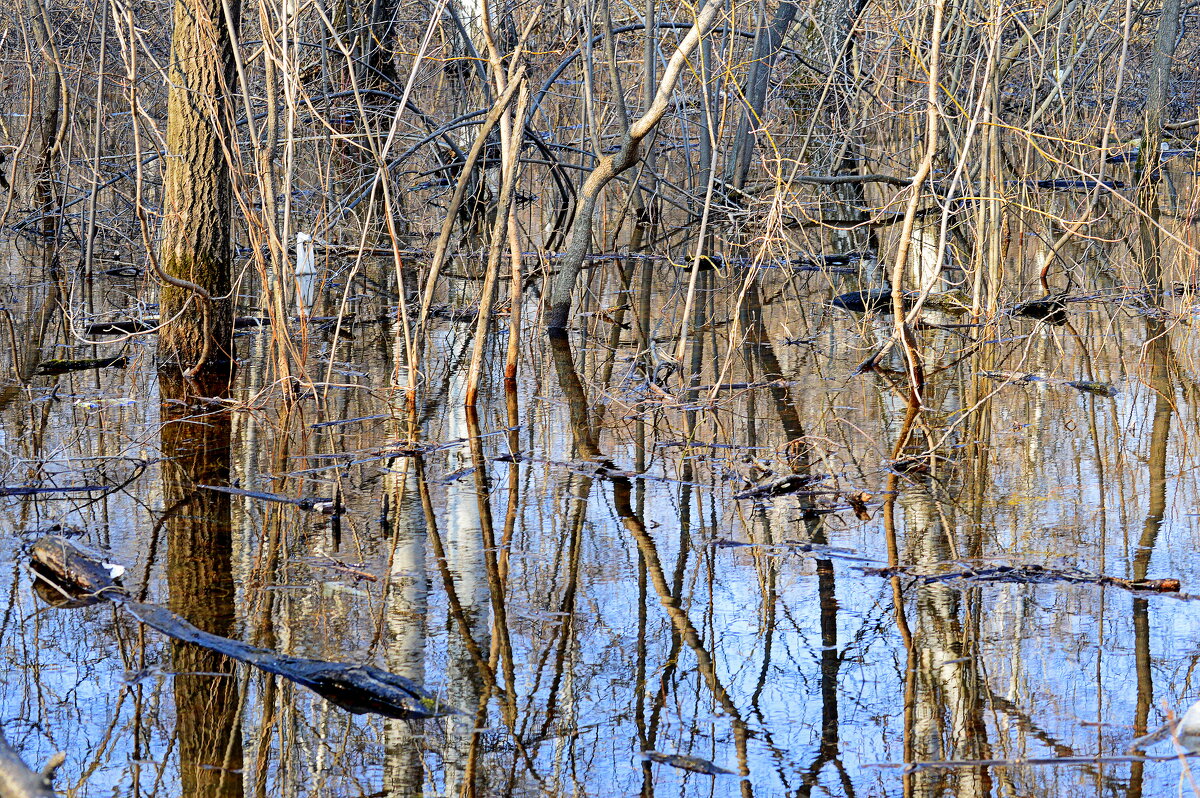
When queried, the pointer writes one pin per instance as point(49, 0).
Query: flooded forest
point(555, 398)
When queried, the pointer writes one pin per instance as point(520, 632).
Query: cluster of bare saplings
point(390, 144)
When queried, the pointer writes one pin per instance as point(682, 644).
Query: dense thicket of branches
point(419, 133)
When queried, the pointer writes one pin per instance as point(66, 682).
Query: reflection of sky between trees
point(1041, 635)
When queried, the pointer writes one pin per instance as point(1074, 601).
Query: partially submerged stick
point(82, 576)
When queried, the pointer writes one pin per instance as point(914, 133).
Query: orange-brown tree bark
point(194, 255)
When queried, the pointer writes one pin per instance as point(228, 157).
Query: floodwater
point(573, 570)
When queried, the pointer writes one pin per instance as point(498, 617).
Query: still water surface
point(572, 568)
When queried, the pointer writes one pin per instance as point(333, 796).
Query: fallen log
point(79, 574)
point(1030, 573)
point(36, 490)
point(67, 366)
point(151, 324)
point(310, 504)
point(685, 762)
point(792, 483)
point(18, 780)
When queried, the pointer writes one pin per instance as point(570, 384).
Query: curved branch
point(612, 165)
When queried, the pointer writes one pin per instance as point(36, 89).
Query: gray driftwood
point(18, 780)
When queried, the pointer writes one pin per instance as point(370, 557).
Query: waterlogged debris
point(76, 572)
point(66, 366)
point(704, 263)
point(125, 327)
point(1070, 185)
point(858, 503)
point(878, 301)
point(684, 762)
point(955, 302)
point(1029, 573)
point(822, 551)
point(792, 483)
point(70, 574)
point(104, 402)
point(1086, 386)
point(37, 490)
point(356, 571)
point(1051, 309)
point(836, 259)
point(1098, 388)
point(604, 469)
point(123, 271)
point(316, 504)
point(1132, 156)
point(151, 324)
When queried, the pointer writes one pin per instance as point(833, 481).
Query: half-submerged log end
point(69, 575)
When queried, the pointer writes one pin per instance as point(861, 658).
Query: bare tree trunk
point(767, 44)
point(612, 165)
point(47, 122)
point(194, 256)
point(1147, 169)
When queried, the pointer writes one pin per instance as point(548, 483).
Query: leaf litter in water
point(684, 762)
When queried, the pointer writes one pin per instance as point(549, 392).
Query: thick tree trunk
point(195, 254)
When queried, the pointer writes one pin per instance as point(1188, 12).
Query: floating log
point(879, 301)
point(1086, 386)
point(77, 572)
point(1052, 309)
point(35, 490)
point(1130, 157)
point(67, 366)
point(127, 327)
point(1070, 185)
point(792, 483)
point(123, 271)
point(684, 762)
point(311, 503)
point(836, 259)
point(150, 324)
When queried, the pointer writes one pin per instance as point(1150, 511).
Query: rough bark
point(195, 251)
point(767, 44)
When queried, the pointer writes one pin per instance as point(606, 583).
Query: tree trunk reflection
point(195, 446)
